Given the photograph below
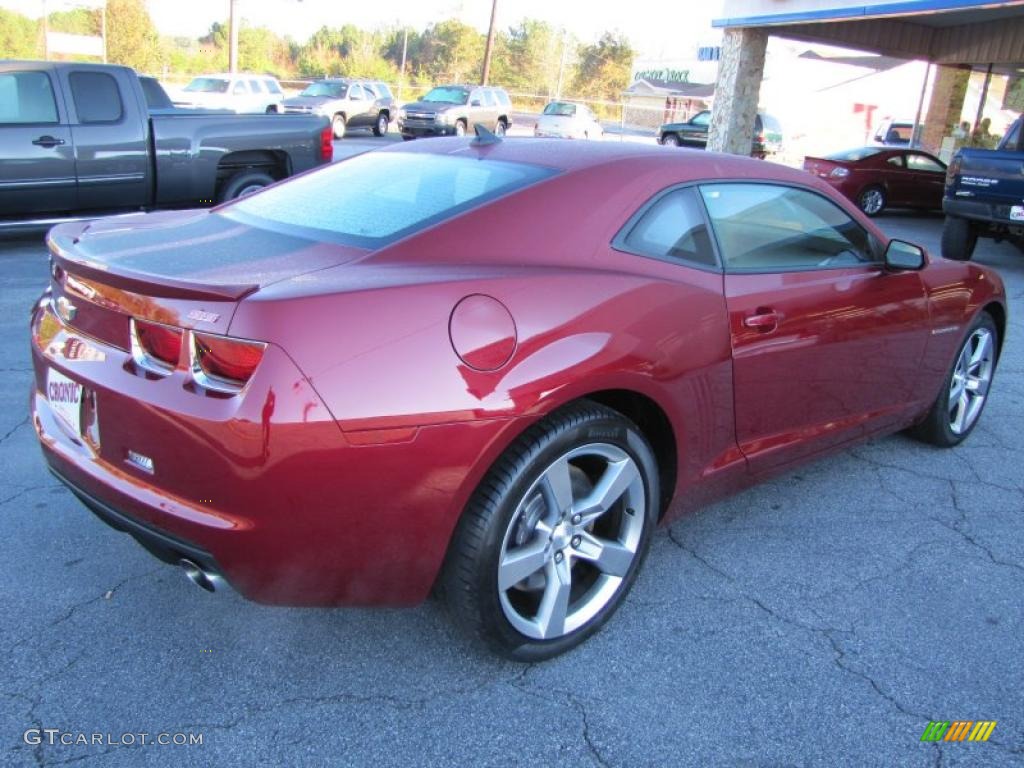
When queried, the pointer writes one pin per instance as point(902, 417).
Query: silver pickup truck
point(78, 140)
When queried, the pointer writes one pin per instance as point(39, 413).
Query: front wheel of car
point(670, 140)
point(339, 125)
point(956, 410)
point(553, 538)
point(460, 128)
point(871, 200)
point(381, 126)
point(959, 238)
point(500, 128)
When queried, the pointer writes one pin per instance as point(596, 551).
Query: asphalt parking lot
point(821, 619)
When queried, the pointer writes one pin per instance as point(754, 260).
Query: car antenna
point(485, 136)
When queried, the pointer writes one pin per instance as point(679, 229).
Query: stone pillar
point(736, 90)
point(945, 106)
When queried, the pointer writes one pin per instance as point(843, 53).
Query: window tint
point(371, 91)
point(701, 118)
point(489, 99)
point(379, 196)
point(96, 97)
point(239, 88)
point(1012, 140)
point(383, 90)
point(766, 228)
point(254, 86)
point(895, 160)
point(854, 155)
point(502, 97)
point(26, 97)
point(156, 96)
point(924, 163)
point(672, 228)
point(272, 86)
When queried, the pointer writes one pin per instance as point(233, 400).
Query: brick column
point(945, 106)
point(737, 89)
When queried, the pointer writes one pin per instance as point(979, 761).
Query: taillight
point(839, 173)
point(155, 347)
point(327, 144)
point(224, 364)
point(953, 170)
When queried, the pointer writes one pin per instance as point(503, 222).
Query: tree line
point(531, 57)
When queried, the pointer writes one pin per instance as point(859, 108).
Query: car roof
point(229, 75)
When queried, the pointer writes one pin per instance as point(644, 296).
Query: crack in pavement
point(956, 527)
point(14, 429)
point(22, 491)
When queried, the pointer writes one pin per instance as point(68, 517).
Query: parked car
point(985, 195)
point(452, 110)
point(347, 103)
point(694, 133)
point(566, 120)
point(895, 133)
point(77, 139)
point(242, 93)
point(517, 419)
point(876, 178)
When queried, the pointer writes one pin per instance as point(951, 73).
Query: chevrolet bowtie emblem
point(66, 309)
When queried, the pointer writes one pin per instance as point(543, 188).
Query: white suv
point(236, 93)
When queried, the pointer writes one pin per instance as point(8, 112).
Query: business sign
point(75, 45)
point(666, 75)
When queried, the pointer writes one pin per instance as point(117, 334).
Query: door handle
point(48, 141)
point(763, 320)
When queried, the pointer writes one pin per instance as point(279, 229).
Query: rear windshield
point(854, 155)
point(375, 198)
point(207, 85)
point(560, 108)
point(333, 90)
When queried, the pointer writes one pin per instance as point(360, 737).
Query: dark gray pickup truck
point(77, 140)
point(985, 196)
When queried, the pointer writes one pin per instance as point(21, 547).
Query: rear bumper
point(263, 489)
point(997, 214)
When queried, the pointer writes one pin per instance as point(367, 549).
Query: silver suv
point(348, 103)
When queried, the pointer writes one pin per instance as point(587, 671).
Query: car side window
point(383, 90)
point(96, 96)
point(896, 161)
point(372, 92)
point(503, 98)
point(924, 163)
point(239, 88)
point(355, 92)
point(701, 118)
point(272, 86)
point(489, 100)
point(769, 228)
point(26, 98)
point(254, 85)
point(672, 228)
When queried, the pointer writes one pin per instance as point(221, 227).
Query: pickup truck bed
point(985, 196)
point(77, 140)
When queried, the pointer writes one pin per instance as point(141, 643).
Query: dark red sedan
point(492, 367)
point(876, 178)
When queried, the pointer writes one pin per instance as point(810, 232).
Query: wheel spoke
point(556, 485)
point(962, 404)
point(976, 385)
point(611, 557)
point(521, 563)
point(554, 605)
point(982, 352)
point(613, 483)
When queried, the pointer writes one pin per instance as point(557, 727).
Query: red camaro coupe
point(876, 178)
point(488, 366)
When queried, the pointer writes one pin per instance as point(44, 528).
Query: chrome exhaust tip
point(211, 582)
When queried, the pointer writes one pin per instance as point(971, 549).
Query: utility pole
point(46, 33)
point(233, 21)
point(405, 50)
point(490, 44)
point(103, 28)
point(561, 64)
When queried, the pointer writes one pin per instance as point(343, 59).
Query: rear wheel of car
point(959, 238)
point(964, 393)
point(381, 126)
point(245, 183)
point(460, 128)
point(871, 200)
point(406, 137)
point(271, 110)
point(339, 125)
point(551, 541)
point(670, 140)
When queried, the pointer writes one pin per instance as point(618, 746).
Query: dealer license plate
point(1017, 213)
point(65, 396)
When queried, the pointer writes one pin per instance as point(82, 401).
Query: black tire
point(272, 110)
point(460, 128)
point(380, 127)
point(339, 126)
point(936, 427)
point(500, 128)
point(671, 140)
point(244, 183)
point(469, 581)
point(872, 200)
point(959, 238)
point(406, 137)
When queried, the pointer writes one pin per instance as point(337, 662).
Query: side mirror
point(901, 255)
point(475, 103)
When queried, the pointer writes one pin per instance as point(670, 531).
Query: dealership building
point(964, 42)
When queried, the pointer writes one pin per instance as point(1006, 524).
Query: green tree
point(528, 57)
point(20, 36)
point(604, 68)
point(77, 21)
point(131, 37)
point(451, 51)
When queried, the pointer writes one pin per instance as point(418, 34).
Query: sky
point(657, 29)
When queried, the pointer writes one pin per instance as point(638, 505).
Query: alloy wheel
point(571, 541)
point(872, 201)
point(968, 387)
